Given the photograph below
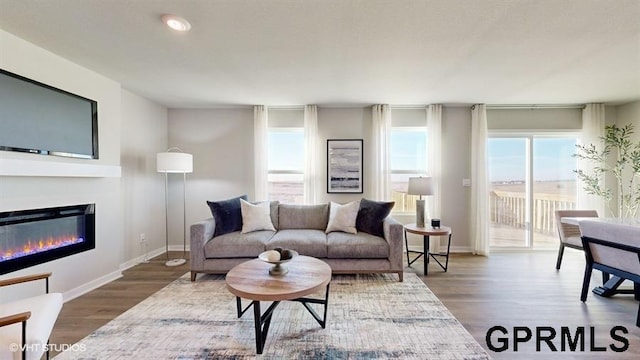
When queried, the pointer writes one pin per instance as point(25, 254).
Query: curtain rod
point(534, 106)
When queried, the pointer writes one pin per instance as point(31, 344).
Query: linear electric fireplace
point(35, 236)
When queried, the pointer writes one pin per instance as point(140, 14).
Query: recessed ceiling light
point(176, 23)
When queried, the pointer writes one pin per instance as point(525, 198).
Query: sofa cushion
point(308, 242)
point(342, 245)
point(227, 214)
point(303, 216)
point(371, 216)
point(236, 244)
point(343, 217)
point(255, 217)
point(273, 209)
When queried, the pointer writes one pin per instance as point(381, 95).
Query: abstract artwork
point(344, 166)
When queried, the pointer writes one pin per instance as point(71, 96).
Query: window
point(407, 154)
point(530, 177)
point(286, 156)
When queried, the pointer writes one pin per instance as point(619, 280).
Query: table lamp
point(182, 163)
point(420, 186)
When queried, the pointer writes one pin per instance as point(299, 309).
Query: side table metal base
point(428, 255)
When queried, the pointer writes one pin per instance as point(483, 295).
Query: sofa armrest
point(393, 234)
point(201, 232)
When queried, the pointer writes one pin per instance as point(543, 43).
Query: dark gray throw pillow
point(371, 215)
point(227, 214)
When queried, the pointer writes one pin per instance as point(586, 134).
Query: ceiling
point(347, 52)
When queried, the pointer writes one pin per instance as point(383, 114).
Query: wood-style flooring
point(516, 290)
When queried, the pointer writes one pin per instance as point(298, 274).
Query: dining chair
point(570, 234)
point(612, 249)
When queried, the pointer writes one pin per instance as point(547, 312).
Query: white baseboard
point(459, 249)
point(140, 259)
point(176, 248)
point(91, 285)
point(96, 283)
point(443, 249)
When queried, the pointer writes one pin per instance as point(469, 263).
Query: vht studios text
point(566, 339)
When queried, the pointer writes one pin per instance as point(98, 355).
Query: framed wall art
point(344, 166)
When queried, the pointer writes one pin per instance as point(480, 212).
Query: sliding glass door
point(530, 176)
point(508, 188)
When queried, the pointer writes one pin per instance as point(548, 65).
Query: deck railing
point(509, 208)
point(403, 202)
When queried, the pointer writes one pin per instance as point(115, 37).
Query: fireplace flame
point(37, 246)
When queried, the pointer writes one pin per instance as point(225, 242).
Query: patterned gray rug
point(370, 317)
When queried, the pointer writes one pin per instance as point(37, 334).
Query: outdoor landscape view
point(530, 177)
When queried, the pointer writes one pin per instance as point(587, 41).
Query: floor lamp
point(420, 186)
point(182, 163)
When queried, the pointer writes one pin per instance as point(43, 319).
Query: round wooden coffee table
point(251, 280)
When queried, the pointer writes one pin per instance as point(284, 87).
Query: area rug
point(369, 317)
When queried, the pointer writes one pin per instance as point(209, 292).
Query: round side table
point(427, 231)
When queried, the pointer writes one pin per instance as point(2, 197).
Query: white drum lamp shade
point(420, 186)
point(174, 162)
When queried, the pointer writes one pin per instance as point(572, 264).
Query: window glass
point(286, 165)
point(531, 176)
point(286, 149)
point(407, 158)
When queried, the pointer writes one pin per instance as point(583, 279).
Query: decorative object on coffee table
point(420, 186)
point(283, 256)
point(182, 163)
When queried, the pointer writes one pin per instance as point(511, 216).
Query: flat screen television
point(41, 119)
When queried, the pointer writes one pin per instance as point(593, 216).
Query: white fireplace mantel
point(15, 167)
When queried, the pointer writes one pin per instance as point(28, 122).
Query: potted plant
point(620, 158)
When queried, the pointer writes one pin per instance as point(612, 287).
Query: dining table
point(611, 286)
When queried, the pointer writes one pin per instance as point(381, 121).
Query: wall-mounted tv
point(41, 119)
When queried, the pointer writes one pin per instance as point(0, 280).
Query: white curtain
point(434, 165)
point(260, 150)
point(381, 132)
point(592, 132)
point(479, 225)
point(311, 153)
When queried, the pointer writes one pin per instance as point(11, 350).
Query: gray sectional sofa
point(301, 228)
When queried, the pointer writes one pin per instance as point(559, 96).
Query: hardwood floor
point(83, 315)
point(507, 289)
point(525, 290)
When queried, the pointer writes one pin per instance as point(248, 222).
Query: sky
point(552, 158)
point(286, 150)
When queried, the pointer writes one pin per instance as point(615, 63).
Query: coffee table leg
point(261, 323)
point(239, 308)
point(325, 302)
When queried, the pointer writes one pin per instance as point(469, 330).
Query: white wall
point(630, 114)
point(343, 123)
point(131, 131)
point(456, 165)
point(144, 134)
point(17, 193)
point(221, 143)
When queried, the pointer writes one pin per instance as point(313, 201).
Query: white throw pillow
point(255, 217)
point(343, 217)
